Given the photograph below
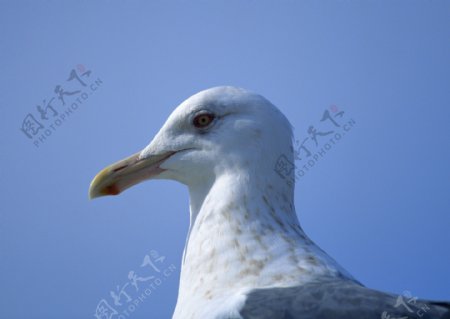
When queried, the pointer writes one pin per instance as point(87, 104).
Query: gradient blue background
point(379, 201)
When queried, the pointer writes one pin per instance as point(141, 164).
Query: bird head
point(219, 130)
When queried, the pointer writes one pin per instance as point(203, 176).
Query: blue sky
point(377, 201)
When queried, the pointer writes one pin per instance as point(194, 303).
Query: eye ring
point(203, 120)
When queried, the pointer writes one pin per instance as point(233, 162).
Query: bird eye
point(203, 120)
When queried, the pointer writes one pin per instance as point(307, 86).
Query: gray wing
point(337, 299)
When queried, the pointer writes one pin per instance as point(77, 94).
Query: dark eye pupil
point(203, 120)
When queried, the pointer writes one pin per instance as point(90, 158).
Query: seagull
point(246, 255)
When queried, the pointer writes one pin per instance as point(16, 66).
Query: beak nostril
point(119, 168)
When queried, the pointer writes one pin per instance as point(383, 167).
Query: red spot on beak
point(112, 190)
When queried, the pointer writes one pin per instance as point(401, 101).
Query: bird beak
point(117, 177)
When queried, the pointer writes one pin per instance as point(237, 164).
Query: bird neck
point(244, 233)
